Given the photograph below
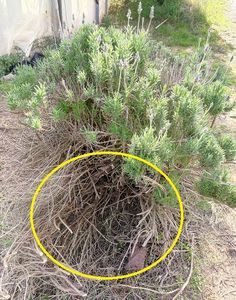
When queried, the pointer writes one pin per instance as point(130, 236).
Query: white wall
point(23, 21)
point(103, 8)
point(77, 12)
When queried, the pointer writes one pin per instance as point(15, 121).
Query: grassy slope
point(188, 23)
point(188, 20)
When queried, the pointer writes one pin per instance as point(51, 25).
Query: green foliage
point(78, 109)
point(120, 130)
point(23, 98)
point(69, 107)
point(187, 109)
point(187, 151)
point(178, 34)
point(117, 82)
point(6, 61)
point(228, 144)
point(164, 9)
point(19, 96)
point(148, 146)
point(34, 121)
point(211, 154)
point(167, 198)
point(53, 67)
point(75, 53)
point(25, 74)
point(165, 194)
point(204, 205)
point(158, 113)
point(196, 283)
point(214, 97)
point(106, 22)
point(165, 150)
point(60, 112)
point(90, 135)
point(213, 187)
point(39, 97)
point(170, 9)
point(114, 107)
point(145, 146)
point(22, 88)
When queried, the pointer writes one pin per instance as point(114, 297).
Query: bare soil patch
point(218, 244)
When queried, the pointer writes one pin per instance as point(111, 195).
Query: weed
point(7, 61)
point(204, 205)
point(91, 136)
point(7, 242)
point(213, 187)
point(228, 144)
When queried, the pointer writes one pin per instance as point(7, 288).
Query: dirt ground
point(218, 255)
point(218, 244)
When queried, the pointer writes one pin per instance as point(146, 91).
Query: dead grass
point(218, 244)
point(92, 219)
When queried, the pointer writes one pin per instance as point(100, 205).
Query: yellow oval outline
point(95, 277)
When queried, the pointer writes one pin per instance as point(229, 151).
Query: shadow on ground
point(186, 24)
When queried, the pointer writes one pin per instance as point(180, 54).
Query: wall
point(103, 8)
point(77, 12)
point(24, 21)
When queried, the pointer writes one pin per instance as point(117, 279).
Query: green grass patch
point(204, 205)
point(222, 191)
point(177, 35)
point(214, 11)
point(5, 86)
point(188, 21)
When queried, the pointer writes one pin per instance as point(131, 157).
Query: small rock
point(137, 260)
point(8, 77)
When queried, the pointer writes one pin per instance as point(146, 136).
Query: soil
point(218, 255)
point(218, 243)
point(11, 130)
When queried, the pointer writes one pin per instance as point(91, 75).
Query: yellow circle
point(95, 277)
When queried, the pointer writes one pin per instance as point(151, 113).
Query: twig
point(161, 23)
point(94, 187)
point(146, 289)
point(213, 121)
point(68, 228)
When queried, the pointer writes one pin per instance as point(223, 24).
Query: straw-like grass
point(91, 217)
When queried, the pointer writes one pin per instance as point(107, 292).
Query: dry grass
point(89, 218)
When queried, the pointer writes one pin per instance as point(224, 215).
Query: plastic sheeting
point(103, 8)
point(23, 21)
point(78, 12)
point(74, 13)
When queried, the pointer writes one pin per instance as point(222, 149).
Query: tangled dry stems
point(91, 217)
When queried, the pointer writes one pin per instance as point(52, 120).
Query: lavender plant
point(115, 81)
